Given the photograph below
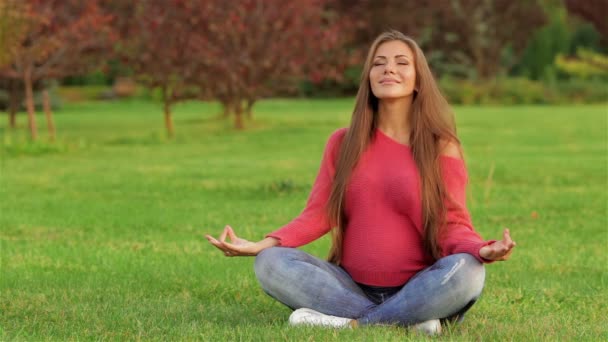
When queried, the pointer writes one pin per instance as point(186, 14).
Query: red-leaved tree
point(12, 30)
point(60, 38)
point(160, 43)
point(595, 11)
point(254, 49)
point(232, 51)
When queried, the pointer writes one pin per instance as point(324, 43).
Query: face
point(393, 74)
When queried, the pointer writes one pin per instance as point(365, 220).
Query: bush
point(83, 93)
point(582, 91)
point(96, 78)
point(518, 91)
point(509, 91)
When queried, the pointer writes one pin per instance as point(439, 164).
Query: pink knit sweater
point(383, 235)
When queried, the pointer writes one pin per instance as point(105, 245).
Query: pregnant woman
point(391, 189)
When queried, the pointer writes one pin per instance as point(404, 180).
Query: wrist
point(266, 243)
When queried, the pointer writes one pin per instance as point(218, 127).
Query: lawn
point(102, 232)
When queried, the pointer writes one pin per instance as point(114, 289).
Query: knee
point(474, 274)
point(469, 274)
point(267, 261)
point(263, 262)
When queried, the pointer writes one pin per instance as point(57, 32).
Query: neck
point(393, 118)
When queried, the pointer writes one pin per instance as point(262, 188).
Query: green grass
point(102, 232)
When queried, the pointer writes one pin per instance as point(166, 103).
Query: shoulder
point(334, 142)
point(452, 164)
point(336, 137)
point(450, 149)
point(339, 133)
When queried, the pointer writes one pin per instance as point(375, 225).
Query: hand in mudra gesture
point(499, 250)
point(238, 246)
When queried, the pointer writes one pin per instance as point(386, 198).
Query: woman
point(392, 186)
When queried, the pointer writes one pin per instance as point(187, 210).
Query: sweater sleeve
point(312, 223)
point(458, 235)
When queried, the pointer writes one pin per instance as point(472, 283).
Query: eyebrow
point(397, 56)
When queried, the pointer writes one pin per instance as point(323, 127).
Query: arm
point(313, 222)
point(458, 234)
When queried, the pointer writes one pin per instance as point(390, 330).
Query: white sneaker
point(311, 317)
point(431, 327)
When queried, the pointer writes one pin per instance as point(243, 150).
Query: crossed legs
point(299, 280)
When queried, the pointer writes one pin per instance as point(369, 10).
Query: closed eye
point(399, 63)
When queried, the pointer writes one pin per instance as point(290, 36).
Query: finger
point(212, 240)
point(224, 233)
point(231, 234)
point(507, 256)
point(238, 250)
point(511, 244)
point(505, 252)
point(506, 237)
point(218, 244)
point(498, 249)
point(510, 241)
point(233, 248)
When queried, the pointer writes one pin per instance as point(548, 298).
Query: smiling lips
point(389, 81)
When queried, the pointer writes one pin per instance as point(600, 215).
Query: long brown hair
point(432, 126)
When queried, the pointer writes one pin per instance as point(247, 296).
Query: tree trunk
point(29, 103)
point(238, 116)
point(168, 120)
point(46, 103)
point(13, 107)
point(250, 103)
point(167, 112)
point(12, 118)
point(226, 109)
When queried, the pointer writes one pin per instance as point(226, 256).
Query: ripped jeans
point(445, 290)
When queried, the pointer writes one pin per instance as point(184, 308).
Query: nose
point(389, 68)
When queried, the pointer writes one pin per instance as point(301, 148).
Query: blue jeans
point(445, 290)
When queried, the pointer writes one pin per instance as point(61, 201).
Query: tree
point(14, 90)
point(160, 42)
point(61, 38)
point(12, 29)
point(256, 48)
point(484, 28)
point(458, 36)
point(595, 11)
point(234, 52)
